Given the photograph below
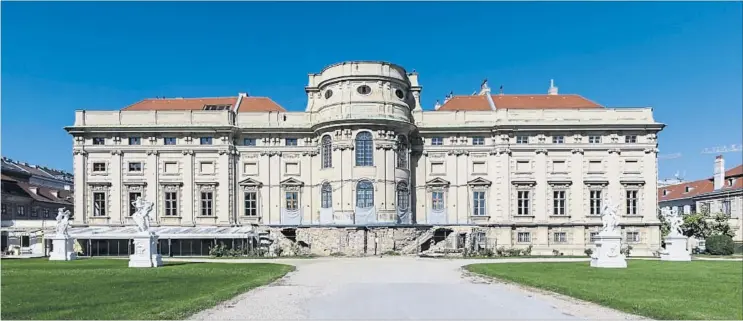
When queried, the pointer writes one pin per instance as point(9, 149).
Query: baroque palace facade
point(365, 170)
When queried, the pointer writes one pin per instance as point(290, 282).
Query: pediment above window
point(438, 182)
point(292, 182)
point(250, 182)
point(479, 182)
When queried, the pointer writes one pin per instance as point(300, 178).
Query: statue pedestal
point(62, 248)
point(676, 249)
point(145, 251)
point(607, 254)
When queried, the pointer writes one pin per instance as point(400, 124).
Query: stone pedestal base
point(676, 249)
point(607, 254)
point(145, 251)
point(62, 248)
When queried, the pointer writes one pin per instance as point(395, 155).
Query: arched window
point(327, 195)
point(403, 196)
point(364, 194)
point(402, 152)
point(364, 149)
point(327, 152)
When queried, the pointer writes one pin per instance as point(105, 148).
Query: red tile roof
point(702, 186)
point(480, 102)
point(247, 104)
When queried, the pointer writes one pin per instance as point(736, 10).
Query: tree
point(665, 226)
point(703, 224)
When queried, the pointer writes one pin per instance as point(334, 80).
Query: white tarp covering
point(125, 232)
point(437, 217)
point(365, 216)
point(343, 218)
point(326, 216)
point(404, 217)
point(291, 217)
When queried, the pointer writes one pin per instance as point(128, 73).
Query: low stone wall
point(366, 241)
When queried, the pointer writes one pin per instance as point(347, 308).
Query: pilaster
point(187, 198)
point(577, 211)
point(539, 205)
point(79, 160)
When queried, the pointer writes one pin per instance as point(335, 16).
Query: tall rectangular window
point(523, 207)
point(291, 142)
point(207, 203)
point(99, 141)
point(595, 202)
point(437, 200)
point(632, 202)
point(133, 197)
point(251, 204)
point(135, 141)
point(560, 237)
point(478, 140)
point(21, 210)
point(478, 202)
point(205, 140)
point(726, 207)
point(523, 237)
point(437, 141)
point(249, 141)
point(169, 140)
point(171, 203)
point(99, 204)
point(292, 199)
point(633, 237)
point(559, 201)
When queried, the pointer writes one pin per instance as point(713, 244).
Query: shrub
point(337, 254)
point(555, 252)
point(720, 245)
point(588, 252)
point(486, 252)
point(391, 253)
point(277, 251)
point(501, 251)
point(527, 252)
point(626, 251)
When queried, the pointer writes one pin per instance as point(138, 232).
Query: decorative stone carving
point(152, 152)
point(609, 243)
point(676, 242)
point(63, 221)
point(79, 152)
point(188, 139)
point(116, 152)
point(541, 151)
point(651, 150)
point(385, 145)
point(504, 151)
point(615, 151)
point(117, 139)
point(577, 151)
point(187, 152)
point(142, 215)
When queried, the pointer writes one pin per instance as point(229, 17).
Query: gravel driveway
point(398, 288)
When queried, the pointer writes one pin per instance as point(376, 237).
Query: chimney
point(552, 90)
point(719, 178)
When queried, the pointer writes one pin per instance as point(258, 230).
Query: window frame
point(559, 204)
point(135, 140)
point(250, 203)
point(558, 139)
point(206, 203)
point(169, 140)
point(291, 141)
point(478, 140)
point(102, 210)
point(523, 237)
point(557, 239)
point(249, 141)
point(170, 205)
point(99, 141)
point(364, 147)
point(522, 139)
point(594, 203)
point(479, 203)
point(326, 152)
point(632, 204)
point(326, 195)
point(437, 141)
point(437, 203)
point(523, 203)
point(291, 200)
point(364, 194)
point(206, 140)
point(403, 196)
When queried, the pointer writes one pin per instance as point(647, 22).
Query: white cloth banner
point(437, 217)
point(326, 216)
point(291, 217)
point(365, 216)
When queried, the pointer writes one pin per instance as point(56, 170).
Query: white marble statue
point(142, 216)
point(674, 220)
point(63, 221)
point(609, 217)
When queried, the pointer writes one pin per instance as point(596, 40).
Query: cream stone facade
point(364, 169)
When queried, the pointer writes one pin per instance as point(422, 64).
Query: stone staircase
point(412, 247)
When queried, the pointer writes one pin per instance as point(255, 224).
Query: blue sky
point(683, 59)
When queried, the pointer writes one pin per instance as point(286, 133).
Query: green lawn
point(108, 289)
point(697, 290)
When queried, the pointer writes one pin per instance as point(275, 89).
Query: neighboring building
point(721, 193)
point(31, 197)
point(364, 169)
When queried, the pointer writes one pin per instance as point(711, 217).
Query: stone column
point(187, 192)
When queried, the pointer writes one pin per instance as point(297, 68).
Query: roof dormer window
point(687, 189)
point(731, 181)
point(217, 107)
point(665, 192)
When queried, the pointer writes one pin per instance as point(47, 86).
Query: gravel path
point(398, 288)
